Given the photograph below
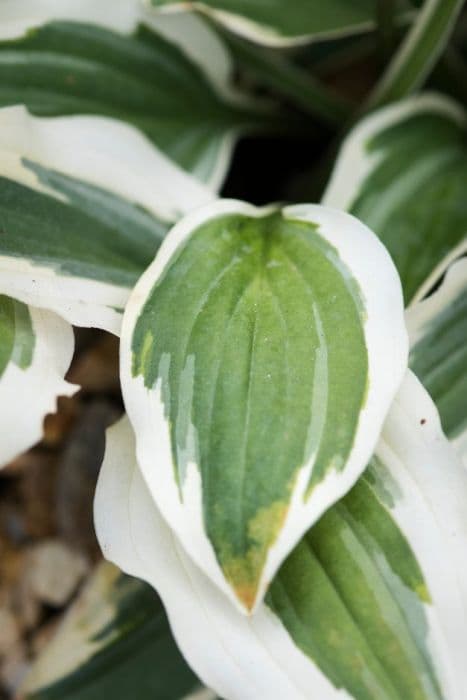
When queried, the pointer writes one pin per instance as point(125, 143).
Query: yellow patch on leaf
point(244, 572)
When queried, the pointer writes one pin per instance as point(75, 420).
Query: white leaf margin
point(102, 152)
point(431, 514)
point(187, 31)
point(245, 658)
point(421, 316)
point(354, 164)
point(261, 33)
point(18, 17)
point(387, 343)
point(28, 395)
point(241, 658)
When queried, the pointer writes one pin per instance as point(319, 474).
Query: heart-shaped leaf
point(260, 354)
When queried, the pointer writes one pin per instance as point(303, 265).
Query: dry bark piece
point(9, 631)
point(96, 370)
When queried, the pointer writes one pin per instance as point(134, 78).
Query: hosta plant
point(289, 474)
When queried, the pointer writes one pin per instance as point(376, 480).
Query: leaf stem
point(418, 52)
point(274, 71)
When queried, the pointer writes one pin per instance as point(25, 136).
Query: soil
point(47, 541)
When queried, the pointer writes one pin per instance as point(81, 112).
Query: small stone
point(77, 475)
point(9, 631)
point(26, 606)
point(54, 572)
point(14, 668)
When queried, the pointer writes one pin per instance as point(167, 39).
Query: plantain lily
point(288, 474)
point(362, 590)
point(348, 531)
point(260, 353)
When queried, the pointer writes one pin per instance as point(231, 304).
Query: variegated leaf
point(36, 348)
point(84, 204)
point(114, 642)
point(169, 78)
point(260, 353)
point(284, 23)
point(403, 171)
point(438, 338)
point(370, 604)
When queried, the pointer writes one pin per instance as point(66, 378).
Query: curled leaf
point(36, 348)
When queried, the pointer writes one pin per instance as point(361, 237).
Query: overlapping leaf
point(286, 22)
point(36, 348)
point(361, 606)
point(260, 353)
point(164, 77)
point(403, 171)
point(84, 205)
point(114, 639)
point(438, 338)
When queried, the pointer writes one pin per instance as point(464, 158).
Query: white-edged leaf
point(438, 338)
point(260, 353)
point(171, 78)
point(403, 171)
point(128, 526)
point(84, 205)
point(115, 641)
point(371, 603)
point(36, 348)
point(285, 23)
